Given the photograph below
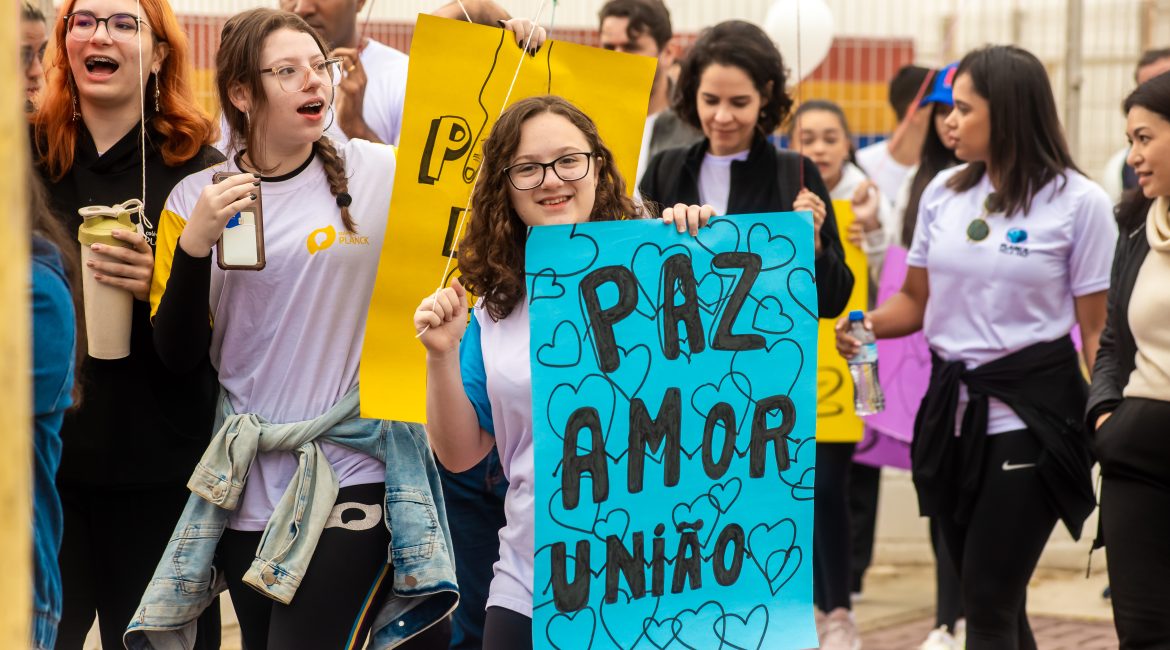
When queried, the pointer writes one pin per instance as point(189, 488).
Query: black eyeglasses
point(530, 175)
point(295, 78)
point(82, 25)
point(28, 54)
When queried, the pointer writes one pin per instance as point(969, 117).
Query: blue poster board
point(674, 418)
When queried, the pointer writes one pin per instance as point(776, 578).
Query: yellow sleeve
point(167, 239)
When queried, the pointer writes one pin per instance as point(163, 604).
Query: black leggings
point(504, 629)
point(340, 594)
point(997, 550)
point(948, 597)
point(865, 483)
point(831, 534)
point(112, 543)
point(1135, 500)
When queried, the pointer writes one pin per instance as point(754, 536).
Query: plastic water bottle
point(868, 398)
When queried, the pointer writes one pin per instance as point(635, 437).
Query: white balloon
point(816, 33)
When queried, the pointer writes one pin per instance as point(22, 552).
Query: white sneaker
point(840, 631)
point(961, 634)
point(940, 639)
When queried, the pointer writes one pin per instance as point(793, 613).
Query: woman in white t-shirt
point(1011, 250)
point(286, 340)
point(544, 164)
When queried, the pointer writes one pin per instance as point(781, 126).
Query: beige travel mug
point(107, 309)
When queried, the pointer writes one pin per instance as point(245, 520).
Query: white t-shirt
point(644, 153)
point(877, 163)
point(385, 92)
point(715, 179)
point(1015, 288)
point(286, 340)
point(494, 361)
point(383, 102)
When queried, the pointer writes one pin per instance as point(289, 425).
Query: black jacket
point(1115, 358)
point(1043, 384)
point(768, 181)
point(139, 425)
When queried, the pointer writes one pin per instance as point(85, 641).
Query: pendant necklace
point(979, 229)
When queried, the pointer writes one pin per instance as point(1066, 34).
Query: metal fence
point(872, 39)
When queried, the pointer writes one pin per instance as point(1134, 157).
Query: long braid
point(338, 184)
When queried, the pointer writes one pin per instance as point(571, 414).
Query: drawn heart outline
point(544, 286)
point(772, 548)
point(564, 351)
point(570, 628)
point(745, 632)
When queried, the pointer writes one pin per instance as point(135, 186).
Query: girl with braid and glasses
point(285, 340)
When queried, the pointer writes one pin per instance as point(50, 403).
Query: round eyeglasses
point(28, 54)
point(530, 175)
point(82, 25)
point(295, 78)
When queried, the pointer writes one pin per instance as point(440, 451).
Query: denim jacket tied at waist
point(186, 581)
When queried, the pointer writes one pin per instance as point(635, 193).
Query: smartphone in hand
point(241, 246)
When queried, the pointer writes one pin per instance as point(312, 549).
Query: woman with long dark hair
point(1130, 397)
point(938, 154)
point(1011, 250)
point(118, 123)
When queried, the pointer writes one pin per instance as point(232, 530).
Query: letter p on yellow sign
point(460, 75)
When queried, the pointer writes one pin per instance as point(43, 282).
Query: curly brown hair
point(491, 254)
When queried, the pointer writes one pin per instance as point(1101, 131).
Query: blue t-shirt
point(474, 375)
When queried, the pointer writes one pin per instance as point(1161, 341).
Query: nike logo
point(1007, 466)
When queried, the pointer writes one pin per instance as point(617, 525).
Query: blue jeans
point(475, 510)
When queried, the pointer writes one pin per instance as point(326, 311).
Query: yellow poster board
point(836, 420)
point(459, 77)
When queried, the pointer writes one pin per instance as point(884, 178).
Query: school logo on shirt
point(324, 238)
point(1015, 243)
point(321, 239)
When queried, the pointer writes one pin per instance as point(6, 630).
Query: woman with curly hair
point(544, 164)
point(118, 122)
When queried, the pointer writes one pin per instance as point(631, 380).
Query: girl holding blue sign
point(1011, 250)
point(544, 164)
